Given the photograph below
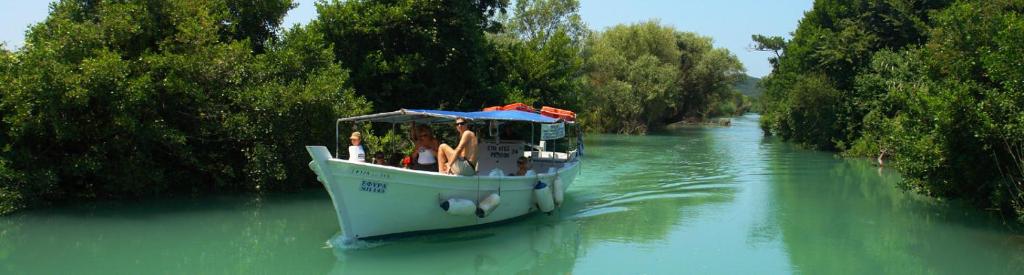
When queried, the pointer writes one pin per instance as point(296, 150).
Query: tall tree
point(152, 97)
point(645, 75)
point(415, 54)
point(256, 20)
point(837, 39)
point(950, 112)
point(773, 44)
point(540, 20)
point(631, 72)
point(706, 77)
point(540, 53)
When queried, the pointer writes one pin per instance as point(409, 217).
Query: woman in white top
point(424, 155)
point(356, 152)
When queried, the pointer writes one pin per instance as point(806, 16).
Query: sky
point(730, 23)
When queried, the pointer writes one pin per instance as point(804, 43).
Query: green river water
point(696, 200)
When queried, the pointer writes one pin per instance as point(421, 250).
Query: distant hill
point(749, 87)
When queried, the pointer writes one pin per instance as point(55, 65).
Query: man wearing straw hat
point(356, 152)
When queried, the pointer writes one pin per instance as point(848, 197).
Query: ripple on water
point(341, 243)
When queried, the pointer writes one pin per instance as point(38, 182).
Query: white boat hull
point(375, 200)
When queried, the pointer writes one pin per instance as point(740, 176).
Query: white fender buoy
point(458, 207)
point(542, 192)
point(487, 205)
point(558, 191)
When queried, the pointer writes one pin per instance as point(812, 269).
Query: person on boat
point(425, 151)
point(378, 158)
point(356, 152)
point(460, 160)
point(523, 163)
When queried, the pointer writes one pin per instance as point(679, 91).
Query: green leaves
point(933, 85)
point(164, 97)
point(414, 54)
point(644, 75)
point(539, 54)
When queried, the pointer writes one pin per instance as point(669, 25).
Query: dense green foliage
point(935, 86)
point(111, 99)
point(645, 75)
point(833, 42)
point(415, 54)
point(119, 99)
point(540, 53)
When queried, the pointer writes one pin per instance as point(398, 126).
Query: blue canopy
point(439, 116)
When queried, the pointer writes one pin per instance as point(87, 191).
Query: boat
point(374, 200)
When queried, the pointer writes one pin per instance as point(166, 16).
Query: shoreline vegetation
point(933, 88)
point(695, 122)
point(114, 100)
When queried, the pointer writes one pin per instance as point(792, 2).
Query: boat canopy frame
point(423, 116)
point(439, 116)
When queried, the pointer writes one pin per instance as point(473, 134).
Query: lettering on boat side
point(375, 187)
point(503, 151)
point(371, 174)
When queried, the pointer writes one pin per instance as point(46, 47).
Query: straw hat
point(356, 135)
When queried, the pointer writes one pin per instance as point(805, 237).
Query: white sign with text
point(552, 131)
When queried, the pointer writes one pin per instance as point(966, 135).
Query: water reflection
point(697, 200)
point(539, 245)
point(851, 219)
point(210, 235)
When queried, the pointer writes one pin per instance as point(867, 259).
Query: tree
point(957, 125)
point(773, 44)
point(256, 20)
point(540, 20)
point(414, 54)
point(706, 77)
point(631, 72)
point(158, 97)
point(540, 60)
point(934, 85)
point(837, 39)
point(642, 76)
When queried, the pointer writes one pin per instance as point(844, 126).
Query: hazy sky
point(730, 23)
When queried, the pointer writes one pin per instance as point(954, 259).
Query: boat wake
point(629, 196)
point(341, 243)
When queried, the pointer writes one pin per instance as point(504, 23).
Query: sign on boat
point(375, 200)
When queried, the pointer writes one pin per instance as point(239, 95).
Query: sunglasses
point(460, 123)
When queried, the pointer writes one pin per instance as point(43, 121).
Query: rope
point(478, 199)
